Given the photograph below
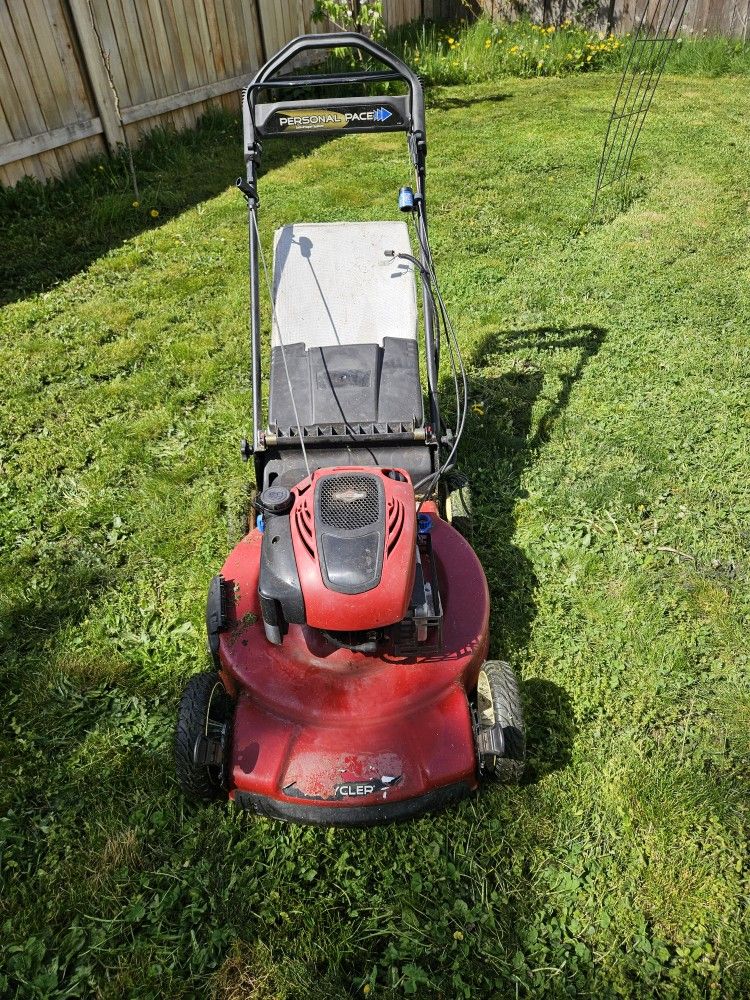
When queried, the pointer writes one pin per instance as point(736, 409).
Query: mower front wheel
point(202, 737)
point(498, 707)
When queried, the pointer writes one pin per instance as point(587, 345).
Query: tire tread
point(195, 780)
point(506, 702)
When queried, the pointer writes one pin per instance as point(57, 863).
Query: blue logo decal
point(382, 114)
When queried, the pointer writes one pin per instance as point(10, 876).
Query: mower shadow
point(505, 433)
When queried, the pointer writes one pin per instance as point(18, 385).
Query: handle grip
point(343, 39)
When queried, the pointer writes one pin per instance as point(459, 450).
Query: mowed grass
point(609, 450)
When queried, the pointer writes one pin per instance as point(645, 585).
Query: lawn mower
point(349, 627)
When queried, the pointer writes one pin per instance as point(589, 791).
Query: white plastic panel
point(333, 284)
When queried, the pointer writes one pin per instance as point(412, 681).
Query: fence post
point(98, 73)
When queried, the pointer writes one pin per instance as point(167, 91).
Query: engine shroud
point(353, 533)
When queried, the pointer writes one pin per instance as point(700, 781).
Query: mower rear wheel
point(458, 505)
point(205, 710)
point(499, 704)
point(240, 513)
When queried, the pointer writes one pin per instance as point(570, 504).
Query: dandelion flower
point(154, 213)
point(451, 41)
point(458, 935)
point(366, 988)
point(136, 204)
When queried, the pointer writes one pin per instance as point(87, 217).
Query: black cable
point(427, 286)
point(452, 342)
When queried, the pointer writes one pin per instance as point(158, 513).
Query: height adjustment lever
point(247, 189)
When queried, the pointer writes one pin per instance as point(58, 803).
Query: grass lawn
point(610, 455)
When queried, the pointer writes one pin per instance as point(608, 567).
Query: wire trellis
point(644, 64)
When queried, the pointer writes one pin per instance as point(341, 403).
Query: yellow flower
point(451, 41)
point(154, 214)
point(366, 988)
point(458, 935)
point(478, 409)
point(136, 204)
point(487, 43)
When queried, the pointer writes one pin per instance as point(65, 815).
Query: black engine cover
point(350, 531)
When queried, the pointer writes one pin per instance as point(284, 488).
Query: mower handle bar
point(264, 78)
point(413, 123)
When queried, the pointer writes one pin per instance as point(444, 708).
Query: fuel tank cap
point(276, 500)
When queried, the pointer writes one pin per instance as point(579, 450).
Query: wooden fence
point(702, 17)
point(78, 77)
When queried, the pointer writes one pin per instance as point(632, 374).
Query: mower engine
point(343, 553)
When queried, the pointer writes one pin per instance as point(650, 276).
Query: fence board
point(227, 41)
point(107, 27)
point(64, 136)
point(127, 56)
point(173, 68)
point(273, 29)
point(202, 41)
point(97, 70)
point(162, 105)
point(283, 19)
point(69, 55)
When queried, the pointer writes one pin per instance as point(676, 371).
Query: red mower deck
point(329, 735)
